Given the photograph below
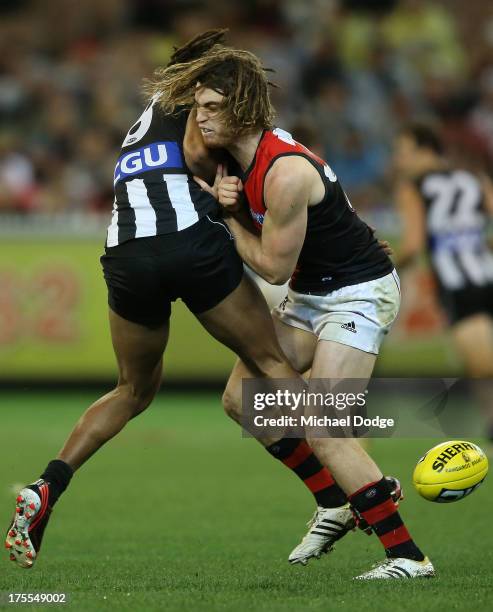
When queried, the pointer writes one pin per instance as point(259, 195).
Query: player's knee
point(269, 364)
point(316, 444)
point(231, 406)
point(138, 395)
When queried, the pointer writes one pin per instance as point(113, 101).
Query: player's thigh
point(139, 351)
point(226, 301)
point(297, 344)
point(335, 360)
point(473, 338)
point(242, 322)
point(337, 368)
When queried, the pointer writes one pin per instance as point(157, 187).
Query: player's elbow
point(197, 159)
point(275, 270)
point(277, 277)
point(411, 252)
point(198, 154)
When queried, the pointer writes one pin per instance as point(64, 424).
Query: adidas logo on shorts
point(350, 327)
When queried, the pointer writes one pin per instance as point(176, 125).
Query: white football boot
point(331, 524)
point(399, 568)
point(326, 527)
point(32, 512)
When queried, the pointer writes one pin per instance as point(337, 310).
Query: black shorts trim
point(199, 265)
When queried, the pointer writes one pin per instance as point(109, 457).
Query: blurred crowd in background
point(350, 73)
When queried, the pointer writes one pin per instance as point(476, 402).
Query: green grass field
point(181, 513)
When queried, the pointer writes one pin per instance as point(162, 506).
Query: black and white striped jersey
point(154, 190)
point(456, 222)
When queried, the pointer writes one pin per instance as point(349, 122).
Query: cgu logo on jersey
point(151, 157)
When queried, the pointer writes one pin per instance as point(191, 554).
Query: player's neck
point(430, 163)
point(245, 147)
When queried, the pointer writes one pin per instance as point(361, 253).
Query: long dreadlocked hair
point(237, 74)
point(197, 46)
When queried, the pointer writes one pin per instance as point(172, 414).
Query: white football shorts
point(357, 315)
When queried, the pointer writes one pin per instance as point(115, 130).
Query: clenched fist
point(226, 189)
point(229, 193)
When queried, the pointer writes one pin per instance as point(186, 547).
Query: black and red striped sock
point(297, 455)
point(58, 475)
point(375, 505)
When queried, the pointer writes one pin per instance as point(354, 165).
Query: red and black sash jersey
point(339, 248)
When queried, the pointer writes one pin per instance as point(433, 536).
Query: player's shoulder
point(277, 141)
point(438, 171)
point(283, 158)
point(154, 126)
point(289, 169)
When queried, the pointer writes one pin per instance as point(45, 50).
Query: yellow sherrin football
point(450, 471)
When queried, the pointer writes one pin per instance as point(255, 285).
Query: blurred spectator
point(322, 67)
point(482, 116)
point(360, 165)
point(426, 35)
point(17, 181)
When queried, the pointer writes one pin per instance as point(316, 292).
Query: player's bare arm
point(487, 185)
point(413, 224)
point(288, 191)
point(201, 160)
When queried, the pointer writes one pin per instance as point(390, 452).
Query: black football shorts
point(199, 264)
point(467, 302)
